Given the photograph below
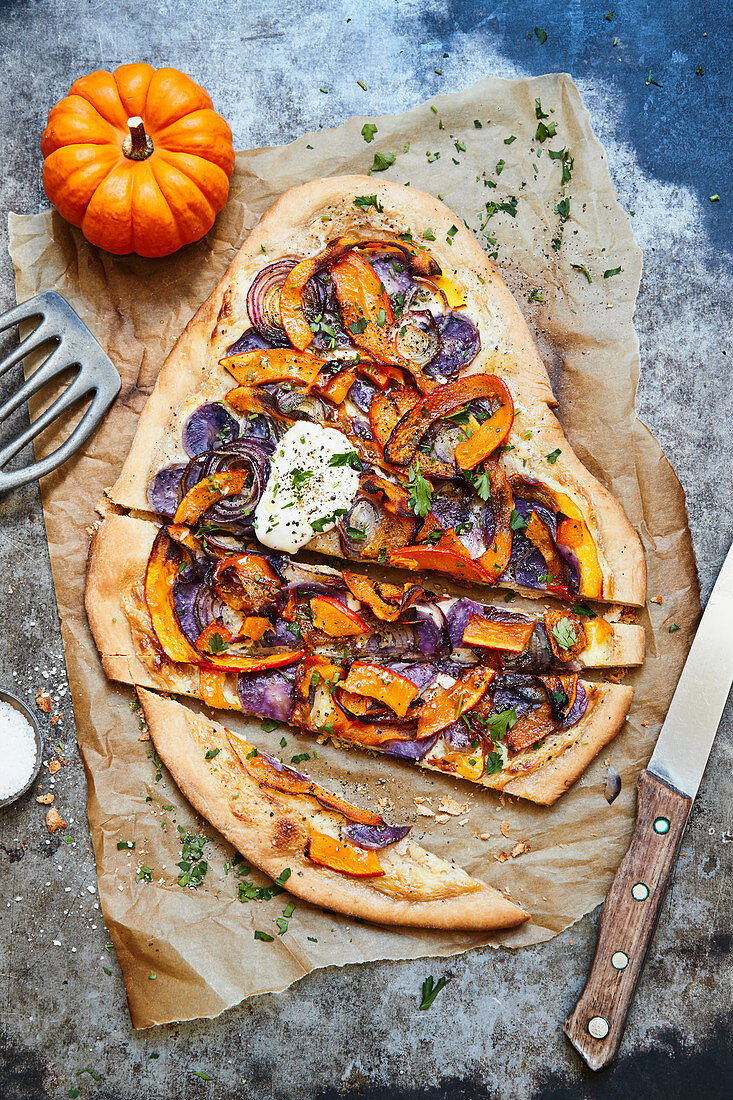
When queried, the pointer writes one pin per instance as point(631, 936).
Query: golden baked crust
point(295, 225)
point(270, 828)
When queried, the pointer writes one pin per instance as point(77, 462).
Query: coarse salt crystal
point(18, 750)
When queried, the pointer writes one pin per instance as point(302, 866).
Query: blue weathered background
point(495, 1030)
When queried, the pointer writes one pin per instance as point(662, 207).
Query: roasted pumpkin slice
point(249, 399)
point(255, 368)
point(531, 728)
point(160, 577)
point(539, 536)
point(486, 437)
point(449, 556)
point(209, 490)
point(335, 618)
point(211, 686)
point(407, 435)
point(511, 637)
point(496, 558)
point(382, 684)
point(292, 313)
point(448, 706)
point(325, 851)
point(565, 633)
point(386, 601)
point(246, 582)
point(366, 310)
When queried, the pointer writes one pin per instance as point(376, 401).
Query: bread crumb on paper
point(54, 821)
point(519, 849)
point(485, 836)
point(43, 701)
point(54, 766)
point(449, 805)
point(425, 811)
point(656, 599)
point(504, 826)
point(442, 818)
point(45, 799)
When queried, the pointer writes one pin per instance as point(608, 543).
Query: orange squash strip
point(366, 310)
point(232, 662)
point(211, 686)
point(254, 626)
point(248, 399)
point(597, 631)
point(326, 852)
point(382, 684)
point(574, 534)
point(539, 536)
point(422, 558)
point(160, 576)
point(531, 727)
point(402, 444)
point(511, 637)
point(496, 558)
point(449, 705)
point(208, 491)
point(569, 628)
point(489, 435)
point(338, 386)
point(386, 601)
point(386, 410)
point(255, 368)
point(292, 315)
point(335, 618)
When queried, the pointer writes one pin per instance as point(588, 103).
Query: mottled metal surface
point(495, 1031)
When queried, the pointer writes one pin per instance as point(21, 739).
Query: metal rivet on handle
point(661, 825)
point(640, 891)
point(598, 1027)
point(619, 960)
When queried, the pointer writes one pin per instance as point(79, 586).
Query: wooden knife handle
point(596, 1024)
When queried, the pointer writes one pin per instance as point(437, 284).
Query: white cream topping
point(304, 488)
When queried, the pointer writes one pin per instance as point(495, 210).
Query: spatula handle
point(630, 912)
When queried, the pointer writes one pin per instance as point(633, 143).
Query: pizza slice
point(327, 851)
point(362, 383)
point(451, 684)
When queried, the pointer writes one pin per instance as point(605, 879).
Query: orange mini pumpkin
point(138, 159)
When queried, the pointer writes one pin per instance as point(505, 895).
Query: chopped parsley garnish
point(428, 235)
point(259, 935)
point(536, 296)
point(217, 643)
point(145, 874)
point(494, 762)
point(563, 209)
point(517, 522)
point(125, 845)
point(538, 112)
point(432, 157)
point(348, 458)
point(283, 877)
point(368, 131)
point(421, 492)
point(583, 270)
point(253, 752)
point(268, 725)
point(674, 626)
point(501, 722)
point(477, 124)
point(382, 555)
point(611, 271)
point(564, 633)
point(319, 524)
point(583, 609)
point(382, 161)
point(356, 534)
point(541, 35)
point(357, 327)
point(365, 201)
point(553, 456)
point(509, 140)
point(543, 131)
point(300, 479)
point(211, 753)
point(482, 484)
point(430, 991)
point(193, 865)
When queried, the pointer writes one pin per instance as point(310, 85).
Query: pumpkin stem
point(137, 145)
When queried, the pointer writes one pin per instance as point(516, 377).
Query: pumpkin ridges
point(106, 221)
point(99, 89)
point(202, 133)
point(153, 219)
point(74, 121)
point(171, 95)
point(73, 174)
point(133, 82)
point(210, 180)
point(191, 209)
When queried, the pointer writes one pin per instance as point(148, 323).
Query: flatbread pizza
point(321, 847)
point(363, 384)
point(479, 692)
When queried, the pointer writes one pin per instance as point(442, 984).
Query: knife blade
point(666, 789)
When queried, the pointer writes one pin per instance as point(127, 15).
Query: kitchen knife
point(665, 790)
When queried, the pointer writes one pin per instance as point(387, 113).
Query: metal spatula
point(70, 345)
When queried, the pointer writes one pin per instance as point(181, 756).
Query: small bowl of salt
point(21, 748)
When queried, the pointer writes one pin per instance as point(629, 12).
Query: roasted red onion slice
point(321, 308)
point(420, 674)
point(364, 516)
point(376, 836)
point(517, 692)
point(430, 627)
point(362, 394)
point(302, 590)
point(207, 427)
point(267, 695)
point(298, 405)
point(248, 453)
point(457, 618)
point(416, 336)
point(164, 491)
point(458, 736)
point(263, 301)
point(460, 343)
point(465, 521)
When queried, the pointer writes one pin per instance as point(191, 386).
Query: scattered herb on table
point(192, 864)
point(430, 991)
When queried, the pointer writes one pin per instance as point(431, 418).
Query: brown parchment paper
point(200, 943)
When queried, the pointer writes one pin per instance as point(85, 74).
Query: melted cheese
point(304, 488)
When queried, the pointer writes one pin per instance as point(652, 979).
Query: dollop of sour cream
point(304, 487)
